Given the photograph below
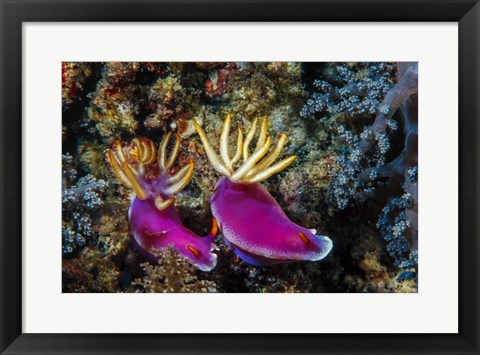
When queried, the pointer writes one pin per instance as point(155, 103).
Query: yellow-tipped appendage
point(179, 182)
point(212, 156)
point(161, 204)
point(257, 166)
point(130, 172)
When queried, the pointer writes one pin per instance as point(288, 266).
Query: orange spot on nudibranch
point(193, 250)
point(303, 238)
point(214, 229)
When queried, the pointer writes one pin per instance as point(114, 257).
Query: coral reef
point(118, 99)
point(360, 93)
point(394, 224)
point(172, 274)
point(352, 127)
point(257, 89)
point(168, 101)
point(74, 77)
point(90, 271)
point(367, 164)
point(80, 199)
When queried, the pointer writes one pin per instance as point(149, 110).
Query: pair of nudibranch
point(249, 218)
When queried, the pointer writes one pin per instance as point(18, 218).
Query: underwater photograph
point(239, 177)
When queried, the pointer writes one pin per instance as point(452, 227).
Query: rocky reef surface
point(352, 125)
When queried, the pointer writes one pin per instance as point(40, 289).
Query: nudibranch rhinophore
point(154, 221)
point(250, 219)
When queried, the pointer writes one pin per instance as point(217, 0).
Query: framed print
point(274, 177)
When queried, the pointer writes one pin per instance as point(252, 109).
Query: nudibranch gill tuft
point(154, 221)
point(250, 219)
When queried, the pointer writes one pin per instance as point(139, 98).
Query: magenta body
point(257, 229)
point(154, 229)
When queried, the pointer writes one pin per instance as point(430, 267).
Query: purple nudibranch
point(250, 219)
point(154, 221)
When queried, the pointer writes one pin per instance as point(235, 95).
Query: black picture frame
point(15, 12)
